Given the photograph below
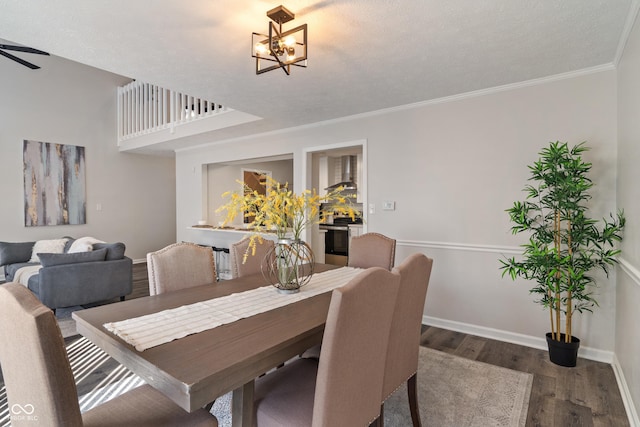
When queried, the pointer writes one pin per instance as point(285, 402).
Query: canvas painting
point(54, 184)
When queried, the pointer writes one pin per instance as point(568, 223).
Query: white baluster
point(144, 107)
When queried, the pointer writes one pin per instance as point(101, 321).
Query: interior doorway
point(323, 167)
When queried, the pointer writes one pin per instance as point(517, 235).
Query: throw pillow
point(69, 243)
point(11, 253)
point(83, 244)
point(114, 250)
point(55, 246)
point(48, 260)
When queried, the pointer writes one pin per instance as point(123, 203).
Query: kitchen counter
point(222, 238)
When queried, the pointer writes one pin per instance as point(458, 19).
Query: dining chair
point(404, 338)
point(338, 389)
point(179, 266)
point(40, 384)
point(254, 262)
point(372, 250)
point(365, 251)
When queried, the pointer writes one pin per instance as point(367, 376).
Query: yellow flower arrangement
point(281, 210)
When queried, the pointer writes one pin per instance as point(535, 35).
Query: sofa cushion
point(11, 253)
point(11, 269)
point(114, 250)
point(51, 259)
point(34, 284)
point(47, 246)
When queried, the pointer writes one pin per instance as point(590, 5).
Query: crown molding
point(412, 106)
point(626, 31)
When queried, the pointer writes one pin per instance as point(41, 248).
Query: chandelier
point(285, 48)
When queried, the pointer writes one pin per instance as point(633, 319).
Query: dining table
point(196, 369)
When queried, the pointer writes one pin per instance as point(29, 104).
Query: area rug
point(452, 391)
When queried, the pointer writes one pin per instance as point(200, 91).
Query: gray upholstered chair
point(254, 262)
point(372, 250)
point(404, 338)
point(339, 389)
point(179, 266)
point(38, 377)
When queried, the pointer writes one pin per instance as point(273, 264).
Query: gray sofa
point(71, 279)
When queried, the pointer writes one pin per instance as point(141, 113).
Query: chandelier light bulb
point(261, 49)
point(289, 41)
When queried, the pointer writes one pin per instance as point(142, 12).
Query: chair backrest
point(253, 263)
point(372, 250)
point(180, 266)
point(352, 359)
point(36, 370)
point(404, 338)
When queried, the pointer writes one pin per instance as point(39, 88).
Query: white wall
point(453, 168)
point(68, 103)
point(627, 347)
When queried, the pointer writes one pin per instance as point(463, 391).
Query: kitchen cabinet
point(318, 245)
point(355, 230)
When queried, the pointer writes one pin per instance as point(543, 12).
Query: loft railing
point(145, 108)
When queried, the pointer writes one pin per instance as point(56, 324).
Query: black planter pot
point(563, 353)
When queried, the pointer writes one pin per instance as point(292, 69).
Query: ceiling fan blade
point(22, 49)
point(20, 61)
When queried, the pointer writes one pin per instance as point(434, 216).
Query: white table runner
point(165, 326)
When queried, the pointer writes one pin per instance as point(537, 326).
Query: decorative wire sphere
point(288, 265)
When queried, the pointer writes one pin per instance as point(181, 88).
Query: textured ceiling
point(364, 55)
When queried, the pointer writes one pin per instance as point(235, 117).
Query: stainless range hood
point(348, 168)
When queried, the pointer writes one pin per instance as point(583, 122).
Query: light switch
point(388, 205)
point(372, 208)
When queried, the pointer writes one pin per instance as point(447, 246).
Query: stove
point(336, 240)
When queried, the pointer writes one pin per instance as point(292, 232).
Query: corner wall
point(452, 169)
point(68, 103)
point(627, 346)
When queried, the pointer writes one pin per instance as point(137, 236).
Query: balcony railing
point(144, 108)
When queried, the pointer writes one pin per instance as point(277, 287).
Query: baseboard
point(513, 338)
point(627, 400)
point(139, 261)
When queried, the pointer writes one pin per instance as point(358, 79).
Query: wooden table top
point(194, 370)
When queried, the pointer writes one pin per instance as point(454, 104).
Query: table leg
point(242, 406)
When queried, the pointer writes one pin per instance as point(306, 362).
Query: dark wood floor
point(140, 281)
point(586, 395)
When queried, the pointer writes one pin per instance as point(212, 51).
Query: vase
point(289, 265)
point(563, 353)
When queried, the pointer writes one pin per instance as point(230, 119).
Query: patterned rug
point(452, 391)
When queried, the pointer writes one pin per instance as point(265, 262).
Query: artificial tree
point(565, 245)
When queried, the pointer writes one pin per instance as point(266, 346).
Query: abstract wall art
point(54, 184)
